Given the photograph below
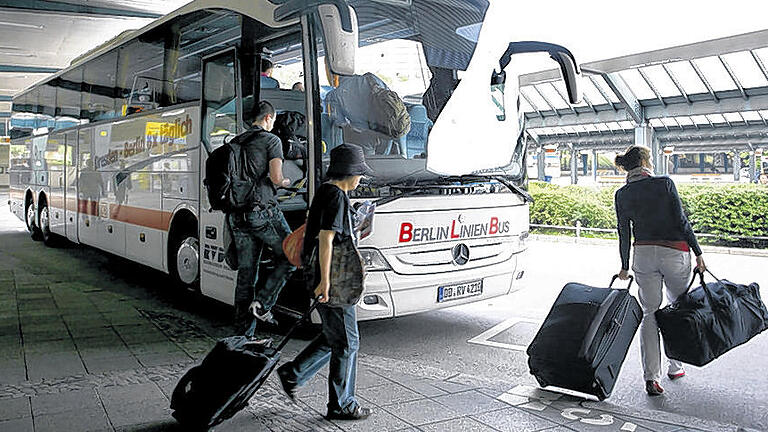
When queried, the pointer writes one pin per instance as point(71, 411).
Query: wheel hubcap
point(31, 216)
point(187, 260)
point(45, 220)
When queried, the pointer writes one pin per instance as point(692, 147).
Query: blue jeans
point(338, 342)
point(249, 232)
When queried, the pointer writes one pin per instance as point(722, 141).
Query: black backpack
point(229, 187)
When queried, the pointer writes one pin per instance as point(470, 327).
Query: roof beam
point(6, 98)
point(73, 9)
point(627, 98)
point(681, 108)
point(726, 45)
point(27, 69)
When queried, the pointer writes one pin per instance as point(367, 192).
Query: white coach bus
point(115, 146)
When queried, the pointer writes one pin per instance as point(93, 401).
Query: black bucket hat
point(348, 160)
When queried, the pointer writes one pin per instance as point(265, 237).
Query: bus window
point(219, 99)
point(99, 79)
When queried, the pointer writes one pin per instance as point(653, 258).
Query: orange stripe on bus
point(155, 219)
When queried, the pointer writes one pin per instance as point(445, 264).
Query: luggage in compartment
point(710, 320)
point(583, 341)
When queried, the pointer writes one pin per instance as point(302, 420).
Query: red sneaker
point(653, 388)
point(674, 376)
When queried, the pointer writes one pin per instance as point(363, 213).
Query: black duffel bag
point(710, 320)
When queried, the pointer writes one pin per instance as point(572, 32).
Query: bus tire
point(50, 239)
point(31, 216)
point(184, 258)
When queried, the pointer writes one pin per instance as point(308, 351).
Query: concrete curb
point(615, 243)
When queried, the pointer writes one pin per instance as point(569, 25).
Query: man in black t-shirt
point(327, 225)
point(265, 224)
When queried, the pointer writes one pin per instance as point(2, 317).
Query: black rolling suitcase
point(710, 320)
point(226, 380)
point(583, 341)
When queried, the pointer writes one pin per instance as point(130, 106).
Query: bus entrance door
point(221, 121)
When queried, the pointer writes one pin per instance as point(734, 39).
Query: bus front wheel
point(184, 262)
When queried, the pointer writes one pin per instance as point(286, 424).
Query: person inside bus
point(327, 227)
point(267, 82)
point(663, 241)
point(265, 224)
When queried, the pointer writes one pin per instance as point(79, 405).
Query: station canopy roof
point(711, 93)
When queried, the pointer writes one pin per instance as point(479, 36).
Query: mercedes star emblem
point(460, 254)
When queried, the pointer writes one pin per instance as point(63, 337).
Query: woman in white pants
point(663, 241)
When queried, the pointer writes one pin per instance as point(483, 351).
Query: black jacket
point(653, 206)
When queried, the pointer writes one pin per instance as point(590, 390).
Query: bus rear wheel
point(184, 260)
point(49, 238)
point(34, 231)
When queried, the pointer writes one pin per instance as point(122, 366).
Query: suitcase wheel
point(542, 382)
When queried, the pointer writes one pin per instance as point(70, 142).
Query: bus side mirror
point(569, 71)
point(340, 43)
point(568, 68)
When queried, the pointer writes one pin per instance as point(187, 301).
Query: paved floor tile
point(56, 403)
point(132, 393)
point(513, 419)
point(367, 379)
point(55, 366)
point(457, 425)
point(421, 412)
point(80, 420)
point(424, 387)
point(379, 421)
point(43, 336)
point(470, 402)
point(12, 371)
point(49, 347)
point(139, 413)
point(162, 347)
point(14, 408)
point(95, 365)
point(17, 425)
point(149, 360)
point(388, 394)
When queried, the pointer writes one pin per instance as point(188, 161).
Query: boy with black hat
point(328, 224)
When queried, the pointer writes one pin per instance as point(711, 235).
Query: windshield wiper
point(508, 184)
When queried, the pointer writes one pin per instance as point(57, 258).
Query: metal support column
point(736, 165)
point(574, 166)
point(752, 166)
point(595, 165)
point(541, 163)
point(584, 164)
point(675, 163)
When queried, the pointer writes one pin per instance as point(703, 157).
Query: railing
point(578, 228)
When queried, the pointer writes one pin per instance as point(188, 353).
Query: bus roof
point(260, 10)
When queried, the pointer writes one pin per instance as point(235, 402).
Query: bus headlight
point(374, 260)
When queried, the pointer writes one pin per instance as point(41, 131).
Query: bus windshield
point(426, 53)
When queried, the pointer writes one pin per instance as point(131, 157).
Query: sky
point(601, 29)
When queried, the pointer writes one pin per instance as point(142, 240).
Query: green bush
point(564, 205)
point(727, 211)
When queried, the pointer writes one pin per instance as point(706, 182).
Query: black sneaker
point(358, 413)
point(289, 386)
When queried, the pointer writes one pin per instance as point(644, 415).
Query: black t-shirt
point(261, 147)
point(329, 211)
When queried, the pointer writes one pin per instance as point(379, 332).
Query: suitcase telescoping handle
point(295, 325)
point(613, 279)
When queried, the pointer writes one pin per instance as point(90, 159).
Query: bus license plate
point(462, 290)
